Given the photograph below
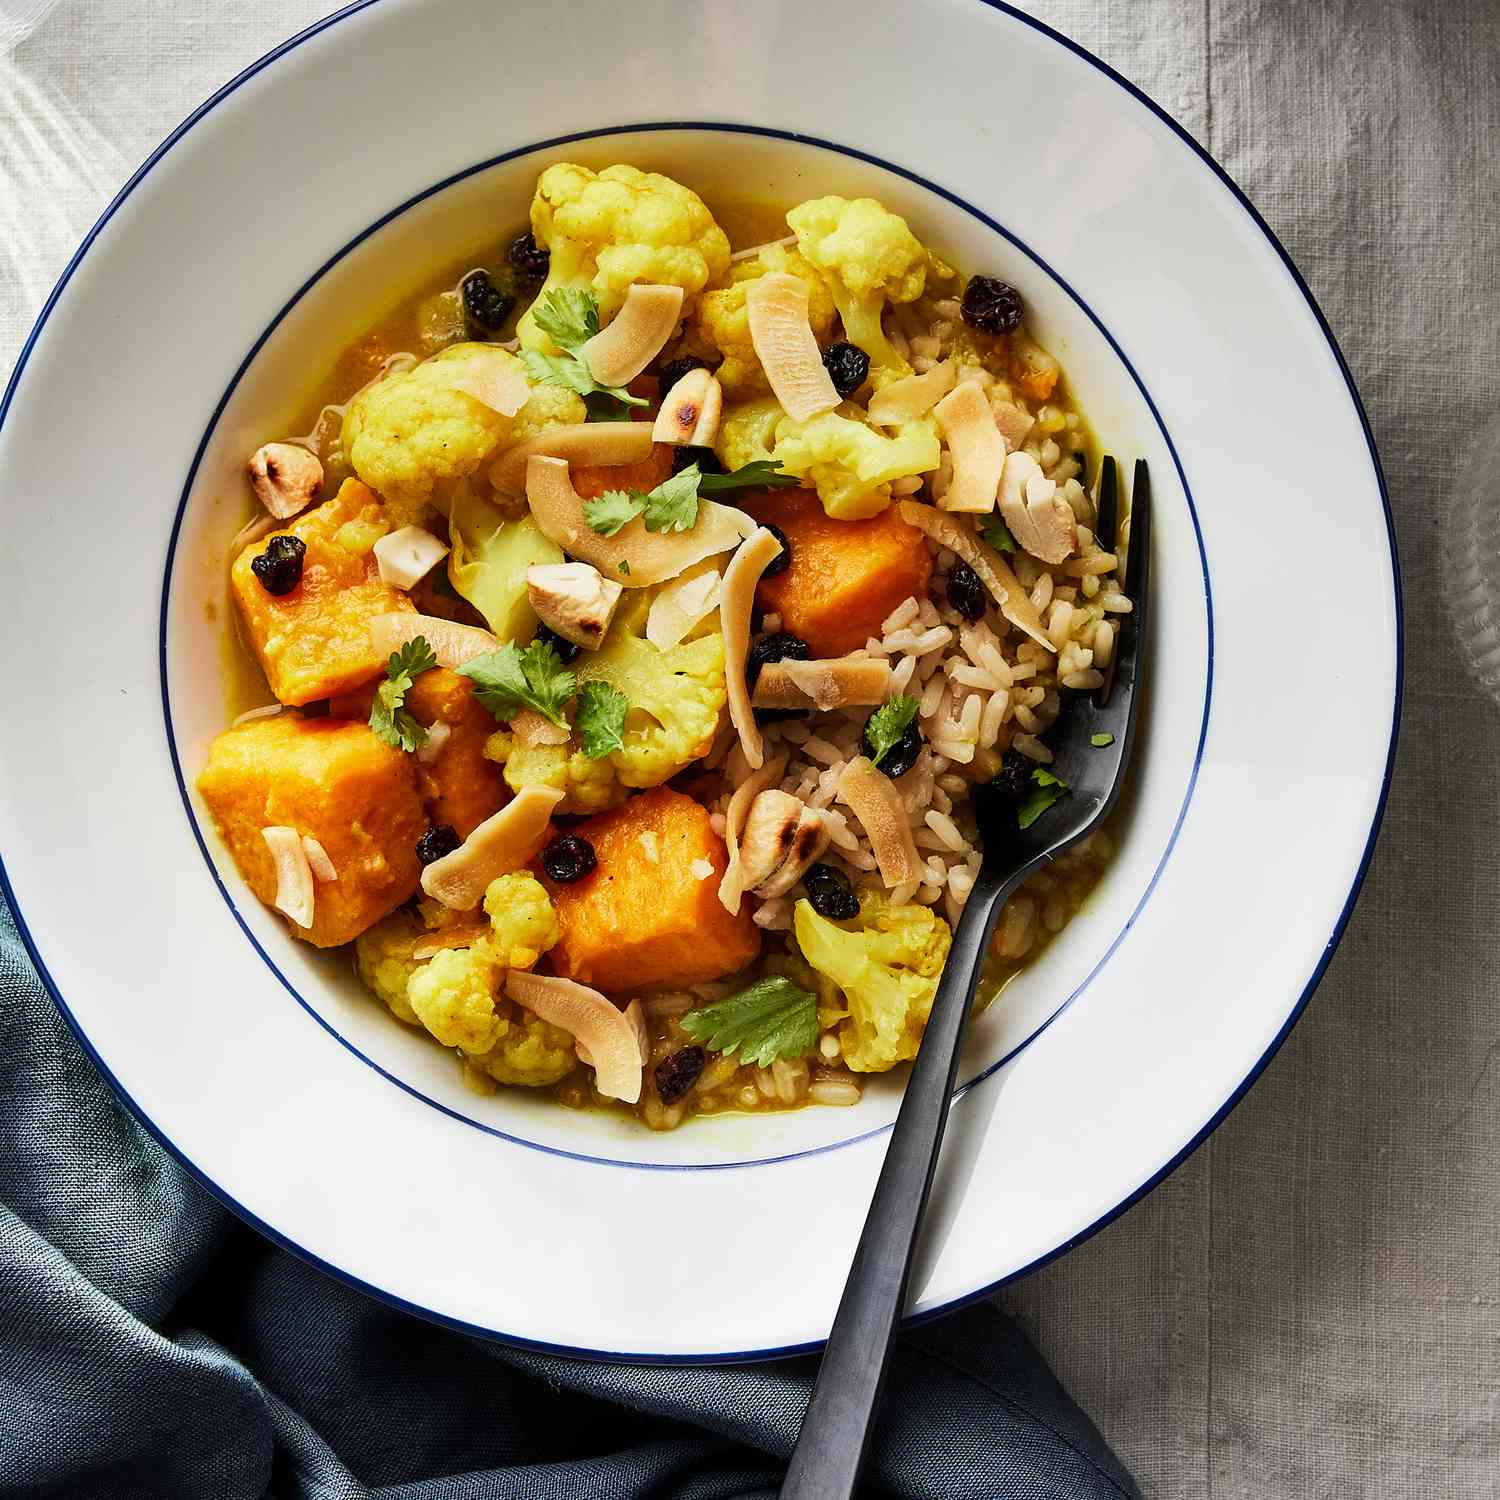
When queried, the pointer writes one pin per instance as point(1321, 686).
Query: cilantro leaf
point(608, 512)
point(762, 474)
point(601, 718)
point(388, 718)
point(508, 680)
point(769, 1020)
point(671, 506)
point(568, 315)
point(997, 534)
point(1099, 741)
point(1046, 790)
point(888, 723)
point(624, 567)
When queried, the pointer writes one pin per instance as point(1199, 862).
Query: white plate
point(331, 174)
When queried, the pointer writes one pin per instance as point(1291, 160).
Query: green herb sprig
point(388, 716)
point(771, 1019)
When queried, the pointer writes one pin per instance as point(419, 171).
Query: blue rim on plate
point(213, 422)
point(1151, 1180)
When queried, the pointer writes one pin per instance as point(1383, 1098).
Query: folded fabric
point(151, 1348)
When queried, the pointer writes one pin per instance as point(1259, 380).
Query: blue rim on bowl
point(1313, 979)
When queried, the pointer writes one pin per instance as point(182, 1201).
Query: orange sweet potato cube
point(641, 921)
point(844, 577)
point(460, 786)
point(315, 641)
point(331, 779)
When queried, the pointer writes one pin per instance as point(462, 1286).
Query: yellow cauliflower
point(851, 463)
point(523, 925)
point(382, 958)
point(414, 430)
point(491, 553)
point(724, 323)
point(531, 1054)
point(453, 996)
point(887, 965)
point(676, 698)
point(746, 432)
point(608, 229)
point(868, 257)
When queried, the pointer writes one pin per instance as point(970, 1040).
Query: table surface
point(1310, 1306)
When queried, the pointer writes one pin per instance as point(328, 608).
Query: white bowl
point(329, 177)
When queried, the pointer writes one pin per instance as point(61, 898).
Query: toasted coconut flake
point(834, 682)
point(780, 330)
point(751, 251)
point(294, 881)
point(912, 396)
point(530, 728)
point(649, 556)
point(875, 800)
point(1015, 422)
point(1038, 516)
point(676, 611)
point(499, 384)
point(978, 450)
point(453, 644)
point(1015, 603)
point(782, 837)
point(407, 556)
point(732, 886)
point(503, 842)
point(449, 937)
point(610, 1036)
point(432, 746)
point(689, 415)
point(285, 477)
point(318, 861)
point(647, 318)
point(635, 1013)
point(735, 606)
point(578, 442)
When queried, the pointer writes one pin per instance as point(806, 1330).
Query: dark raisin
point(830, 894)
point(567, 651)
point(706, 459)
point(569, 858)
point(675, 369)
point(486, 305)
point(771, 648)
point(437, 842)
point(678, 1072)
point(783, 559)
point(779, 715)
point(848, 367)
point(966, 593)
point(1013, 779)
point(991, 305)
point(279, 567)
point(902, 756)
point(528, 258)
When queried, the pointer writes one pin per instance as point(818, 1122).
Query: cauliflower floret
point(676, 700)
point(453, 996)
point(491, 553)
point(887, 965)
point(415, 430)
point(531, 1054)
point(851, 463)
point(747, 431)
point(868, 257)
point(606, 230)
point(725, 323)
point(523, 925)
point(382, 957)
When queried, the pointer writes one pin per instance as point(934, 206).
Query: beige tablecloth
point(1311, 1305)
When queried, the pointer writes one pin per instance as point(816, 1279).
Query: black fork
point(836, 1429)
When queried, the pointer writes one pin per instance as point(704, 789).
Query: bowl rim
point(1201, 1134)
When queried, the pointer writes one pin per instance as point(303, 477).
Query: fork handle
point(836, 1428)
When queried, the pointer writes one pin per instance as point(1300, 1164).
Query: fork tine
point(1104, 532)
point(1129, 641)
